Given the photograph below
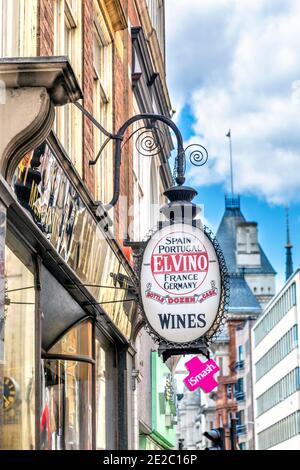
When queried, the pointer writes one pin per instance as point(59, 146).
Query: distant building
point(195, 409)
point(252, 285)
point(276, 376)
point(243, 253)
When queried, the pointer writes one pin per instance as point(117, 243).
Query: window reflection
point(106, 395)
point(66, 418)
point(17, 372)
point(78, 340)
point(43, 188)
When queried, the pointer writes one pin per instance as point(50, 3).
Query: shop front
point(66, 309)
point(164, 408)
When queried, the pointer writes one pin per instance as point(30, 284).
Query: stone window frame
point(103, 104)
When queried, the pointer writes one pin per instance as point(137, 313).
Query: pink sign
point(201, 374)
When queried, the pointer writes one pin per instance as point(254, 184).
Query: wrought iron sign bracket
point(149, 142)
point(201, 325)
point(166, 351)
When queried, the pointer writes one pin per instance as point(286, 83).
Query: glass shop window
point(66, 416)
point(17, 352)
point(106, 395)
point(77, 341)
point(66, 412)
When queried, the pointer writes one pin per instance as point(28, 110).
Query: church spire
point(231, 163)
point(288, 250)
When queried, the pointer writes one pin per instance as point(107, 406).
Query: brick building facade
point(82, 339)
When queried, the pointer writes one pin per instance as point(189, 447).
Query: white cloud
point(236, 64)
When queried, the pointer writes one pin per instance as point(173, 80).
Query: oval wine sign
point(180, 283)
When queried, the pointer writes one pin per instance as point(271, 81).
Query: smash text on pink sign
point(201, 374)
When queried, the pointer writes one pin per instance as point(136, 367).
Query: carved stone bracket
point(31, 88)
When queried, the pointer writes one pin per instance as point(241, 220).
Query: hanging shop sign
point(45, 190)
point(181, 284)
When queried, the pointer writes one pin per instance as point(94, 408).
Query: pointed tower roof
point(289, 269)
point(242, 299)
point(226, 236)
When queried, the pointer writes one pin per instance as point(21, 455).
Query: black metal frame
point(152, 144)
point(180, 197)
point(200, 345)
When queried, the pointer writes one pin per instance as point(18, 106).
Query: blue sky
point(235, 64)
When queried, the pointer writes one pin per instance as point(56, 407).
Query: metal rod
point(93, 162)
point(180, 179)
point(21, 288)
point(110, 302)
point(21, 303)
point(106, 287)
point(93, 120)
point(118, 138)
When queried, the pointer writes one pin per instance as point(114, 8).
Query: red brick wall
point(45, 28)
point(132, 13)
point(87, 80)
point(224, 405)
point(119, 116)
point(122, 90)
point(123, 109)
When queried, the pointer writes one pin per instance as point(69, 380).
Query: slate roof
point(242, 299)
point(226, 236)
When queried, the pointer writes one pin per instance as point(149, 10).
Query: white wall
point(281, 369)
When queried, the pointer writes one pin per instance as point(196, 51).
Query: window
point(241, 353)
point(240, 385)
point(141, 170)
point(18, 28)
point(157, 15)
point(17, 361)
point(220, 362)
point(102, 107)
point(239, 389)
point(154, 208)
point(279, 432)
point(229, 389)
point(10, 30)
point(240, 417)
point(106, 406)
point(276, 313)
point(66, 417)
point(68, 42)
point(280, 350)
point(67, 405)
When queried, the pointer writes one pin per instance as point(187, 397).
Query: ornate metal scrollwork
point(149, 141)
point(197, 154)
